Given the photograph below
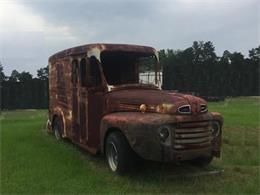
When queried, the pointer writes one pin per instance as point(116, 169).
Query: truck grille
point(192, 135)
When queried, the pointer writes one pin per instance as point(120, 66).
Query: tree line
point(198, 69)
point(195, 69)
point(42, 74)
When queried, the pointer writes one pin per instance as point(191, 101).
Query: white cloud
point(18, 17)
point(26, 38)
point(15, 17)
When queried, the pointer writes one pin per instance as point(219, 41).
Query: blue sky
point(31, 31)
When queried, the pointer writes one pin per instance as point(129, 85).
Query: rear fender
point(57, 112)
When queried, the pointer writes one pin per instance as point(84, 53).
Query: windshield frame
point(157, 77)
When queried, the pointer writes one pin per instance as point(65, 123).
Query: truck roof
point(100, 47)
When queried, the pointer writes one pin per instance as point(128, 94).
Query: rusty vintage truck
point(99, 101)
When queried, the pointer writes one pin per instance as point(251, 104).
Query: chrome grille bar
point(191, 130)
point(192, 141)
point(192, 135)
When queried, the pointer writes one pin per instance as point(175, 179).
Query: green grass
point(33, 162)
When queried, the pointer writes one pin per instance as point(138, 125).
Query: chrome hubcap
point(112, 156)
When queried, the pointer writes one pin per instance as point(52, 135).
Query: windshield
point(122, 68)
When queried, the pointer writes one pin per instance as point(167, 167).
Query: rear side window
point(74, 76)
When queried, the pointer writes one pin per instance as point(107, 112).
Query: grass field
point(33, 162)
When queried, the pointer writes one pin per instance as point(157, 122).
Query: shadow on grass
point(149, 170)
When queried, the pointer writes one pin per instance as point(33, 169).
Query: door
point(87, 102)
point(95, 103)
point(79, 101)
point(83, 102)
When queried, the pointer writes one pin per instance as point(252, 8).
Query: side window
point(74, 76)
point(95, 72)
point(83, 72)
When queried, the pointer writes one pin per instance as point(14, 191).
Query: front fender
point(138, 128)
point(141, 130)
point(216, 142)
point(217, 116)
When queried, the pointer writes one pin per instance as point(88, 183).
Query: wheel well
point(109, 131)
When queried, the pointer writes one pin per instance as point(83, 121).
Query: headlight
point(215, 128)
point(164, 133)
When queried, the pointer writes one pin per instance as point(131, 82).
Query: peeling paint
point(94, 52)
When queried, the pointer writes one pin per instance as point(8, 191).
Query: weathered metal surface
point(130, 99)
point(141, 130)
point(89, 110)
point(96, 49)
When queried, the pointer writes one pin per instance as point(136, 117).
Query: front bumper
point(177, 156)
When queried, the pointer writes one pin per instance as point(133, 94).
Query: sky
point(33, 30)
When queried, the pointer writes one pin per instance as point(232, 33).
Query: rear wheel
point(120, 156)
point(57, 128)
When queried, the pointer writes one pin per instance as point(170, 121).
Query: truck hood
point(155, 100)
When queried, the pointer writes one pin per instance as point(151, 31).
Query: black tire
point(202, 161)
point(57, 128)
point(120, 156)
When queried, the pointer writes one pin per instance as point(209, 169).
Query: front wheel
point(120, 156)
